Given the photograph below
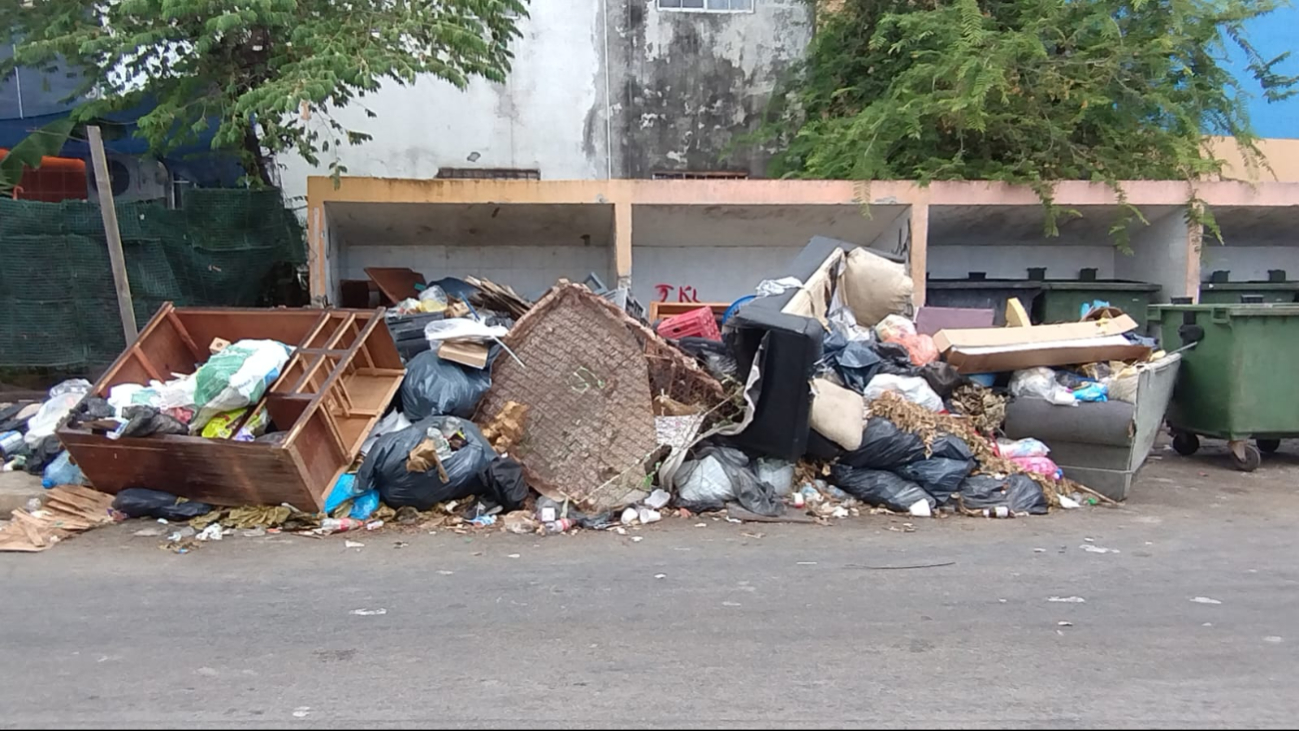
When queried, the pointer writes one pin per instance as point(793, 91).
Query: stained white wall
point(530, 270)
point(547, 116)
point(1159, 254)
point(1255, 240)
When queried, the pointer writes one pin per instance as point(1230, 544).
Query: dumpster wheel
point(1245, 456)
point(1268, 446)
point(1186, 443)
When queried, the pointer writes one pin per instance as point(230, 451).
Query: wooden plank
point(396, 283)
point(104, 185)
point(200, 354)
point(148, 366)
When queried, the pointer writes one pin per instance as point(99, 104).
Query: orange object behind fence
point(57, 179)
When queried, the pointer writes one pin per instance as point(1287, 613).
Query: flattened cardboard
point(473, 355)
point(991, 350)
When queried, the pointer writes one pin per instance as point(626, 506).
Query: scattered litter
point(701, 525)
point(730, 604)
point(1273, 639)
point(1205, 600)
point(1039, 550)
point(936, 565)
point(1092, 548)
point(369, 612)
point(301, 711)
point(210, 533)
point(444, 572)
point(658, 499)
point(637, 539)
point(400, 544)
point(660, 576)
point(513, 555)
point(1067, 599)
point(353, 544)
point(1064, 624)
point(148, 532)
point(807, 563)
point(1069, 503)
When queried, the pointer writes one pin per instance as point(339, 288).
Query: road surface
point(723, 626)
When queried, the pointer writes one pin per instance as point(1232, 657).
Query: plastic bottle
point(1001, 511)
point(340, 525)
point(561, 525)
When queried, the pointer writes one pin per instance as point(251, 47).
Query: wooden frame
point(343, 373)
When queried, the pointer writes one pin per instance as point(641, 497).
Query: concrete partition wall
point(525, 246)
point(719, 253)
point(1161, 253)
point(1255, 240)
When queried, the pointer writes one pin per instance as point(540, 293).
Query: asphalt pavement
point(1186, 619)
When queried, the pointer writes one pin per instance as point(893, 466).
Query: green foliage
point(43, 142)
point(265, 72)
point(1022, 91)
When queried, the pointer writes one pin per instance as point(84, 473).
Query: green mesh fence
point(58, 306)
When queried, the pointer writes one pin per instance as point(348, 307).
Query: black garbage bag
point(885, 447)
point(939, 476)
point(1018, 492)
point(718, 475)
point(855, 361)
point(138, 502)
point(880, 488)
point(146, 421)
point(436, 387)
point(713, 355)
point(942, 377)
point(503, 483)
point(384, 469)
point(950, 446)
point(895, 359)
point(45, 452)
point(90, 408)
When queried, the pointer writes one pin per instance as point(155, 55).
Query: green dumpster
point(1229, 293)
point(983, 294)
point(1063, 300)
point(1237, 382)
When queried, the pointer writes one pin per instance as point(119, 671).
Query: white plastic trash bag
point(1040, 383)
point(913, 388)
point(63, 398)
point(236, 377)
point(461, 328)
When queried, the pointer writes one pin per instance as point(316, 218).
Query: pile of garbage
point(574, 413)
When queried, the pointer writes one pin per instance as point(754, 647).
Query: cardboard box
point(470, 354)
point(992, 350)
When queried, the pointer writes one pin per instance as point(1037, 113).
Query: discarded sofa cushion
point(874, 287)
point(838, 413)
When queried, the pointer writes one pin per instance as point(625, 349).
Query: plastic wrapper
point(62, 471)
point(146, 421)
point(138, 502)
point(920, 348)
point(894, 327)
point(436, 387)
point(364, 505)
point(385, 467)
point(912, 388)
point(345, 488)
point(715, 356)
point(1040, 383)
point(779, 473)
point(854, 361)
point(718, 475)
point(222, 426)
point(63, 398)
point(1092, 392)
point(884, 447)
point(1044, 466)
point(1027, 447)
point(461, 328)
point(1019, 493)
point(880, 488)
point(236, 376)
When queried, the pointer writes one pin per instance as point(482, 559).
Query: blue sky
point(1273, 35)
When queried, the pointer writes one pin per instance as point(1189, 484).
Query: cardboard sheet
point(992, 350)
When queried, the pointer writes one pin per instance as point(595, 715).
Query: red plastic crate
point(700, 323)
